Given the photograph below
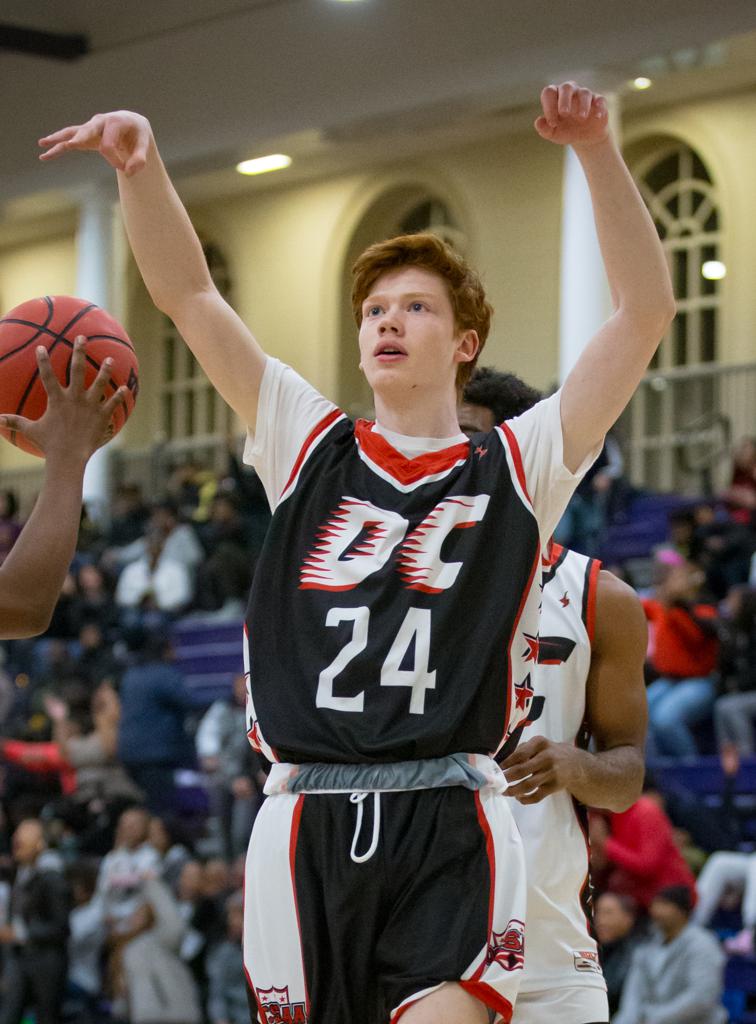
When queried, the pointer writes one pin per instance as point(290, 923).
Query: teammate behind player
point(587, 670)
point(72, 427)
point(377, 667)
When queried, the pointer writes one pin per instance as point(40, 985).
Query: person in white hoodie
point(159, 986)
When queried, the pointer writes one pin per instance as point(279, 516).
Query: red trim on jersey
point(295, 820)
point(255, 737)
point(489, 997)
point(512, 635)
point(516, 458)
point(491, 854)
point(592, 585)
point(584, 888)
point(403, 470)
point(482, 992)
point(553, 553)
point(326, 422)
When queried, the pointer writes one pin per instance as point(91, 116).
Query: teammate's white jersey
point(559, 950)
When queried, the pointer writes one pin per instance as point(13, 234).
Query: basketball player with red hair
point(74, 424)
point(396, 598)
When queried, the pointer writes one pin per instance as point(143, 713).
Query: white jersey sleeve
point(550, 485)
point(288, 411)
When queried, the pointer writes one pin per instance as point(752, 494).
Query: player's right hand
point(121, 137)
point(77, 420)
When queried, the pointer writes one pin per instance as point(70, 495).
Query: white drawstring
point(358, 798)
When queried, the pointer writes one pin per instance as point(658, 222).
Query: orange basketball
point(55, 321)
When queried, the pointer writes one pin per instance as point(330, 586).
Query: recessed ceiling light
point(713, 270)
point(642, 83)
point(263, 164)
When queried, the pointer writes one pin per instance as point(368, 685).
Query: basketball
point(55, 321)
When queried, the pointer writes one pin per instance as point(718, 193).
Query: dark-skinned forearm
point(32, 575)
point(609, 779)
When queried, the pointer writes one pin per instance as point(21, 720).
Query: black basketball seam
point(58, 336)
point(33, 378)
point(27, 323)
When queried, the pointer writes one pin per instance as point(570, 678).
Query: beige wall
point(287, 249)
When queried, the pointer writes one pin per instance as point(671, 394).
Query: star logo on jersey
point(564, 600)
point(507, 948)
point(277, 1008)
point(554, 650)
point(253, 735)
point(523, 693)
point(531, 651)
point(480, 451)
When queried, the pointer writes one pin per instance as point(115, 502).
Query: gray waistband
point(472, 771)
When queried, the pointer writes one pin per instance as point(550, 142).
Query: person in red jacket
point(636, 854)
point(684, 650)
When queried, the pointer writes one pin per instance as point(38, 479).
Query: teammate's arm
point(615, 713)
point(169, 255)
point(72, 427)
point(612, 364)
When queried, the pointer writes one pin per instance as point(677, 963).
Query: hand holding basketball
point(121, 137)
point(77, 420)
point(572, 116)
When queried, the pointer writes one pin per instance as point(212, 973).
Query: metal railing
point(678, 431)
point(677, 434)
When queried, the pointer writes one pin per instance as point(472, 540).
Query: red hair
point(472, 311)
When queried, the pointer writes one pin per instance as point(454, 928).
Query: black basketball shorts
point(340, 928)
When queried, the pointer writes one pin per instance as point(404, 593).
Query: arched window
point(674, 422)
point(191, 408)
point(405, 209)
point(682, 198)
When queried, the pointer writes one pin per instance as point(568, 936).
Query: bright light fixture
point(263, 164)
point(713, 270)
point(642, 83)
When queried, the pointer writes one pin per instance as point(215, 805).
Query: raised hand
point(121, 137)
point(77, 419)
point(572, 116)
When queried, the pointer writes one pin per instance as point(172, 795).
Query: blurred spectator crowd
point(125, 808)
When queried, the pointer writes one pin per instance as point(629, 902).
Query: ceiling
point(337, 81)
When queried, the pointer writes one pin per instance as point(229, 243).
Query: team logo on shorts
point(586, 961)
point(507, 948)
point(276, 1008)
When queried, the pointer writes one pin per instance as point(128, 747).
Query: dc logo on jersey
point(507, 948)
point(276, 1007)
point(359, 538)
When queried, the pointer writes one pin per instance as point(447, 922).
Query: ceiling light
point(263, 164)
point(713, 270)
point(641, 83)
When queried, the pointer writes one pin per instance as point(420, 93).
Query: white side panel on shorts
point(272, 942)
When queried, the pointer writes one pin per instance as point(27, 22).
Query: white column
point(94, 281)
point(585, 302)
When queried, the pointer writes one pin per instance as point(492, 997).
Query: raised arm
point(613, 362)
point(611, 776)
point(74, 424)
point(169, 255)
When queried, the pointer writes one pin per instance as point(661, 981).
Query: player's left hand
point(539, 768)
point(572, 116)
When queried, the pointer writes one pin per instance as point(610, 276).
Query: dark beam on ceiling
point(58, 45)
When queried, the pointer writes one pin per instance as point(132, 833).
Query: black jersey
point(392, 614)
